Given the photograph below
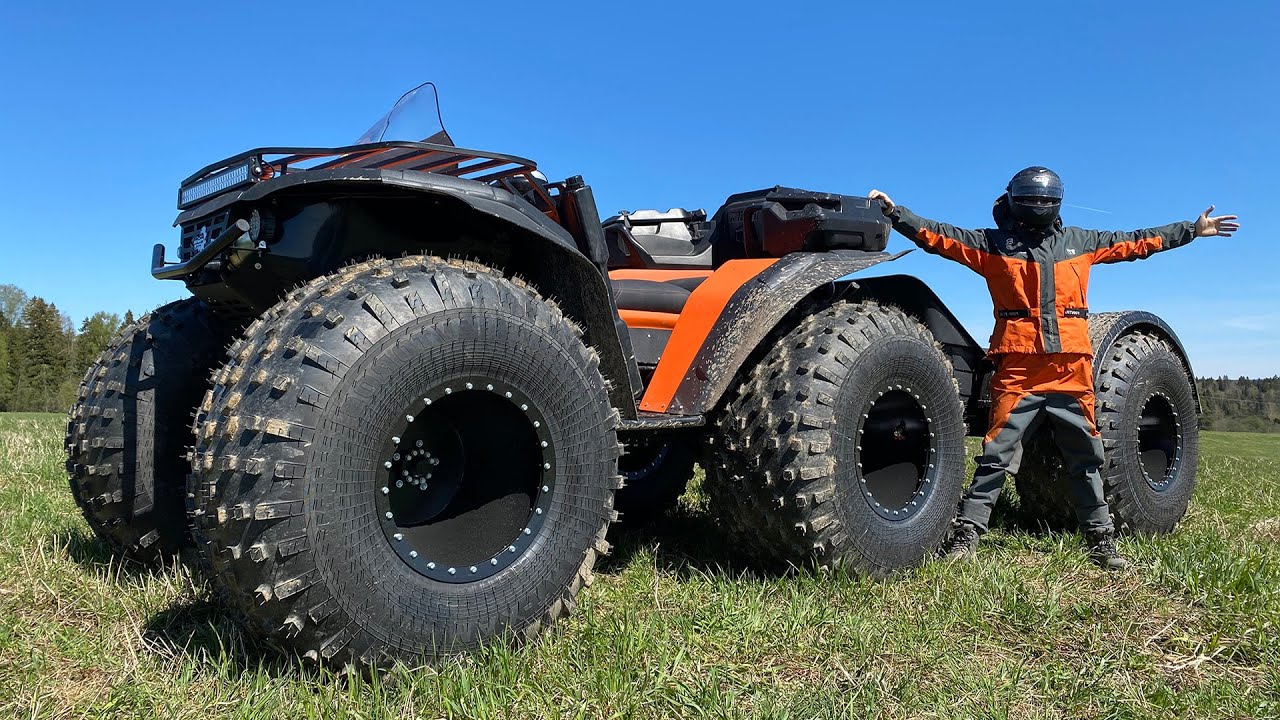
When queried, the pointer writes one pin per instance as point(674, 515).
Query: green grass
point(1264, 446)
point(674, 627)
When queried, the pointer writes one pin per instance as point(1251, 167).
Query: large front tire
point(844, 445)
point(403, 460)
point(128, 432)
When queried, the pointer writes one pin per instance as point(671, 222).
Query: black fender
point(493, 226)
point(1106, 328)
point(494, 201)
point(754, 310)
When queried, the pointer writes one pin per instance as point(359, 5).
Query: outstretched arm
point(1110, 247)
point(953, 243)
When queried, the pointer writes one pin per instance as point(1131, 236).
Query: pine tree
point(128, 318)
point(43, 351)
point(6, 367)
point(95, 334)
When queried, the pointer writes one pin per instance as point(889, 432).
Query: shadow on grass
point(687, 541)
point(95, 554)
point(203, 631)
point(684, 542)
point(206, 632)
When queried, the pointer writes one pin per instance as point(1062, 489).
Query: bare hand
point(886, 205)
point(1222, 225)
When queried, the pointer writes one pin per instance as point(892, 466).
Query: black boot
point(963, 543)
point(1102, 550)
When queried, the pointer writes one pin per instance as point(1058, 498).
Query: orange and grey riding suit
point(1044, 362)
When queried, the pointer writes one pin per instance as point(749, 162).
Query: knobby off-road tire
point(843, 446)
point(370, 439)
point(656, 473)
point(128, 433)
point(1147, 415)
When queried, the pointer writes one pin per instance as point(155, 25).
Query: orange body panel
point(699, 317)
point(648, 319)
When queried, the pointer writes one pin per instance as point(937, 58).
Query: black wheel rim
point(641, 459)
point(467, 480)
point(1159, 442)
point(896, 453)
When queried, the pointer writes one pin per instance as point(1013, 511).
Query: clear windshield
point(414, 118)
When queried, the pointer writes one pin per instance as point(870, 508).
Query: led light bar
point(222, 182)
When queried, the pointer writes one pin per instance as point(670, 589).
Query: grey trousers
point(1081, 451)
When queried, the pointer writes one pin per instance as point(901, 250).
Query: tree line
point(1240, 405)
point(43, 356)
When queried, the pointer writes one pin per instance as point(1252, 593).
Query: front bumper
point(162, 270)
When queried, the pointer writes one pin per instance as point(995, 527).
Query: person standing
point(1037, 272)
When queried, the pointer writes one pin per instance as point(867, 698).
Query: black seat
point(666, 296)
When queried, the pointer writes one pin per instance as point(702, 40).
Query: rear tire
point(843, 446)
point(1148, 418)
point(499, 491)
point(128, 432)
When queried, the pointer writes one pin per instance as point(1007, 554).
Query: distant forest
point(1240, 405)
point(44, 355)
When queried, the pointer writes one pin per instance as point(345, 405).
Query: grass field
point(674, 627)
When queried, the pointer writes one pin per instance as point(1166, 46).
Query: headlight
point(223, 181)
point(262, 226)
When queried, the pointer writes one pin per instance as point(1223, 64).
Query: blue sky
point(1149, 111)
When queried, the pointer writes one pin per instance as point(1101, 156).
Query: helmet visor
point(1036, 185)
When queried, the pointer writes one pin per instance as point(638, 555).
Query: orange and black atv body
point(445, 378)
point(673, 303)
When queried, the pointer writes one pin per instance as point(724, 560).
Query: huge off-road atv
point(441, 370)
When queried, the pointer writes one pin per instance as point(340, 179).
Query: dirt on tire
point(128, 433)
point(788, 475)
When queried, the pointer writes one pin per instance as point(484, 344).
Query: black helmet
point(1035, 196)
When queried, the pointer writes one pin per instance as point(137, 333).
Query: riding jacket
point(1039, 282)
